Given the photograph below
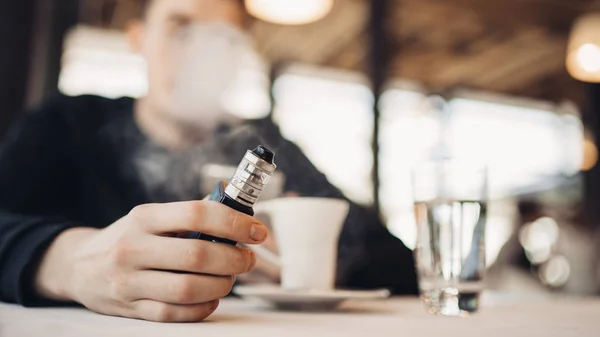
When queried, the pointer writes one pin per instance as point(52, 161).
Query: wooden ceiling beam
point(556, 15)
point(316, 42)
point(463, 69)
point(515, 70)
point(497, 45)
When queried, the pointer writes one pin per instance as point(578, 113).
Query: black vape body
point(219, 196)
point(251, 177)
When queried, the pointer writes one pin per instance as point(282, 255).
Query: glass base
point(450, 302)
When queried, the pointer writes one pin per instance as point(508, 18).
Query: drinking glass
point(450, 213)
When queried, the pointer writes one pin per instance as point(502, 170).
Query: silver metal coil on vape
point(252, 176)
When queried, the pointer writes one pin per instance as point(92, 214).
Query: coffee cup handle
point(266, 255)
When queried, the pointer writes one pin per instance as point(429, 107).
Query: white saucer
point(305, 299)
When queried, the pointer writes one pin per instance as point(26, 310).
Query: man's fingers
point(174, 288)
point(192, 256)
point(171, 313)
point(206, 217)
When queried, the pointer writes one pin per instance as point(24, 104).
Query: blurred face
point(188, 45)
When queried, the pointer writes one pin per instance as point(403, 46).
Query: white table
point(502, 316)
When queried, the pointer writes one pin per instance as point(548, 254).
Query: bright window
point(328, 114)
point(528, 147)
point(98, 62)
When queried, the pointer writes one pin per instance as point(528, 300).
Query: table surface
point(506, 316)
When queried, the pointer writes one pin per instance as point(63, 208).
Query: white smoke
point(177, 175)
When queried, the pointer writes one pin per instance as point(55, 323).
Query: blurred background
point(393, 82)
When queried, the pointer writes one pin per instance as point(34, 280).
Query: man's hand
point(138, 268)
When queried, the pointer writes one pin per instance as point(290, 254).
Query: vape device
point(251, 177)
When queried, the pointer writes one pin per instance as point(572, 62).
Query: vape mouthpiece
point(252, 176)
point(265, 154)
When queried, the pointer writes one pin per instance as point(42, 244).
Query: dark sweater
point(72, 163)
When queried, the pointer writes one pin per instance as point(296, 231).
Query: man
point(94, 191)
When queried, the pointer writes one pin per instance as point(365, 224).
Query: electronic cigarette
point(250, 179)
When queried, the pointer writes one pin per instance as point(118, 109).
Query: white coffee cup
point(307, 232)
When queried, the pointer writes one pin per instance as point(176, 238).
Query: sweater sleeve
point(34, 183)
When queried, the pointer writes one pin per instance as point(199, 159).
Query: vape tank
point(250, 179)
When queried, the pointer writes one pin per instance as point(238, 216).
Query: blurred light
point(555, 273)
point(538, 238)
point(539, 256)
point(590, 155)
point(588, 56)
point(583, 55)
point(289, 12)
